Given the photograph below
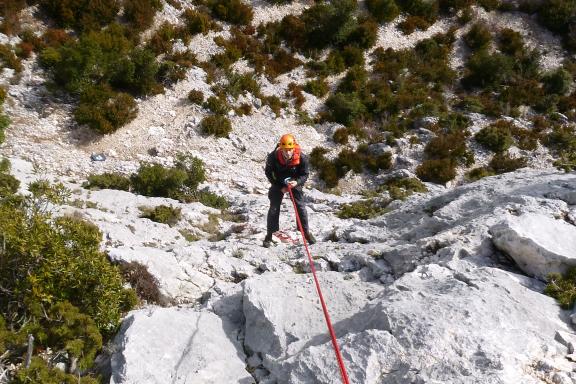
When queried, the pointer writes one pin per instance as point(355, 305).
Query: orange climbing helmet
point(287, 141)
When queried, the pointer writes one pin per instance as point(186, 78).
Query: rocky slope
point(445, 288)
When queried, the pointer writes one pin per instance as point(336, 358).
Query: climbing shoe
point(311, 239)
point(267, 241)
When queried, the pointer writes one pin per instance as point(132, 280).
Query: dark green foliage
point(340, 136)
point(4, 123)
point(162, 214)
point(497, 136)
point(401, 188)
point(353, 56)
point(40, 373)
point(232, 11)
point(412, 23)
point(142, 281)
point(502, 163)
point(108, 181)
point(345, 108)
point(8, 184)
point(216, 125)
point(449, 146)
point(104, 110)
point(163, 39)
point(136, 73)
point(196, 96)
point(156, 180)
point(318, 87)
point(485, 69)
point(557, 82)
point(217, 105)
point(364, 35)
point(140, 13)
point(478, 37)
point(174, 66)
point(511, 42)
point(81, 15)
point(72, 267)
point(274, 103)
point(383, 10)
point(479, 173)
point(354, 81)
point(562, 288)
point(426, 9)
point(557, 15)
point(194, 169)
point(197, 22)
point(239, 84)
point(363, 209)
point(210, 199)
point(74, 332)
point(438, 171)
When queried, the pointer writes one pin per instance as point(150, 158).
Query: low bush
point(364, 36)
point(401, 188)
point(210, 199)
point(510, 42)
point(478, 37)
point(562, 287)
point(162, 40)
point(156, 180)
point(104, 110)
point(140, 14)
point(196, 96)
point(40, 372)
point(136, 73)
point(82, 15)
point(4, 123)
point(354, 81)
point(479, 173)
point(438, 171)
point(162, 214)
point(485, 69)
point(451, 146)
point(274, 103)
point(197, 22)
point(317, 87)
point(217, 106)
point(295, 91)
point(413, 23)
point(108, 181)
point(503, 163)
point(9, 59)
point(557, 82)
point(345, 108)
point(142, 282)
point(216, 125)
point(363, 209)
point(340, 136)
point(383, 10)
point(497, 136)
point(232, 11)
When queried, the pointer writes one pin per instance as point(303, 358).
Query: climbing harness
point(343, 372)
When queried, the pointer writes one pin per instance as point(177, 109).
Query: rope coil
point(343, 372)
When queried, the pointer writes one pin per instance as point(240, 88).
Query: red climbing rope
point(324, 308)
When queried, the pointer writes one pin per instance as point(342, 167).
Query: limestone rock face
point(170, 345)
point(438, 325)
point(539, 244)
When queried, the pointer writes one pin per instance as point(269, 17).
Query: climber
point(286, 166)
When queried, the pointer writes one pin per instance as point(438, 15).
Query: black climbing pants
point(275, 195)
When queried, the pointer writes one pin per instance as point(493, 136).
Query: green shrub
point(162, 214)
point(401, 188)
point(232, 11)
point(438, 171)
point(197, 22)
point(216, 125)
point(345, 108)
point(479, 173)
point(210, 199)
point(8, 184)
point(40, 372)
point(104, 110)
point(363, 209)
point(503, 163)
point(238, 84)
point(141, 13)
point(108, 181)
point(137, 73)
point(142, 281)
point(196, 96)
point(274, 103)
point(510, 42)
point(412, 23)
point(340, 136)
point(478, 37)
point(557, 82)
point(295, 91)
point(562, 288)
point(4, 123)
point(383, 10)
point(449, 146)
point(557, 15)
point(485, 69)
point(363, 36)
point(353, 56)
point(162, 40)
point(9, 59)
point(194, 169)
point(425, 9)
point(217, 106)
point(81, 14)
point(497, 136)
point(317, 87)
point(156, 180)
point(72, 267)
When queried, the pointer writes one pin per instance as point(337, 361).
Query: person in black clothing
point(286, 165)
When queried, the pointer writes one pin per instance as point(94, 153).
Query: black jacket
point(276, 172)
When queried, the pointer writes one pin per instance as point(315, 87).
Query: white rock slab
point(171, 345)
point(539, 244)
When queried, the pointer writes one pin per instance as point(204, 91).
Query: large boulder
point(539, 244)
point(441, 325)
point(171, 345)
